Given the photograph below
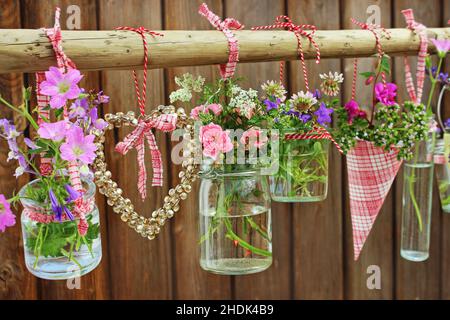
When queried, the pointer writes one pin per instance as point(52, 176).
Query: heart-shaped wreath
point(147, 227)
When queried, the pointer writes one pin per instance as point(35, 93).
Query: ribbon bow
point(136, 139)
point(226, 70)
point(300, 30)
point(420, 29)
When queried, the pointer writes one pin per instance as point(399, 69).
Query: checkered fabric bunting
point(371, 171)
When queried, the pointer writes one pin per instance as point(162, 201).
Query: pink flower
point(78, 146)
point(214, 140)
point(7, 218)
point(442, 46)
point(386, 93)
point(353, 111)
point(215, 108)
point(61, 87)
point(254, 135)
point(55, 131)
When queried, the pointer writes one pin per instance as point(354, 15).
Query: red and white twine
point(317, 133)
point(377, 31)
point(421, 30)
point(301, 30)
point(226, 70)
point(142, 97)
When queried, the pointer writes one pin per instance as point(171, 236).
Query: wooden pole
point(29, 50)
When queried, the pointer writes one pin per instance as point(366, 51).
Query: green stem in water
point(243, 243)
point(412, 181)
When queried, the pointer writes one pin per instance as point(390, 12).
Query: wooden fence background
point(312, 242)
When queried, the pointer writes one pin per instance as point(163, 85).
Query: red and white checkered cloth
point(371, 171)
point(136, 139)
point(226, 70)
point(421, 30)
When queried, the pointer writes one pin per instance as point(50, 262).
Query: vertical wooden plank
point(267, 284)
point(140, 269)
point(318, 226)
point(378, 249)
point(445, 248)
point(417, 280)
point(191, 281)
point(39, 14)
point(15, 281)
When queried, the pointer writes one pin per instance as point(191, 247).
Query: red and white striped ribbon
point(226, 70)
point(377, 31)
point(318, 133)
point(136, 139)
point(143, 131)
point(284, 22)
point(421, 30)
point(39, 214)
point(64, 64)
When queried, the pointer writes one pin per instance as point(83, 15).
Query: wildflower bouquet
point(303, 154)
point(60, 219)
point(392, 127)
point(234, 200)
point(375, 146)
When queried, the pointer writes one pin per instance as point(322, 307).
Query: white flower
point(183, 95)
point(275, 89)
point(330, 83)
point(303, 101)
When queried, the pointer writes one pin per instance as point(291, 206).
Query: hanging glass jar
point(302, 171)
point(57, 250)
point(442, 171)
point(417, 202)
point(235, 222)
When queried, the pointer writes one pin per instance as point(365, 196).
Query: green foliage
point(392, 127)
point(56, 238)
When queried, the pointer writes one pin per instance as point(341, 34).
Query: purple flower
point(443, 77)
point(101, 98)
point(73, 194)
point(7, 218)
point(61, 86)
point(317, 94)
point(10, 134)
point(386, 93)
point(292, 113)
point(447, 123)
point(305, 118)
point(79, 108)
point(30, 144)
point(78, 146)
point(323, 114)
point(97, 123)
point(271, 105)
point(68, 213)
point(56, 208)
point(442, 46)
point(55, 131)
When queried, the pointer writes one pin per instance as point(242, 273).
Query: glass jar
point(55, 250)
point(442, 171)
point(302, 172)
point(417, 202)
point(235, 222)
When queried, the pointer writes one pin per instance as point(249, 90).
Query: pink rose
point(196, 111)
point(254, 135)
point(214, 140)
point(215, 108)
